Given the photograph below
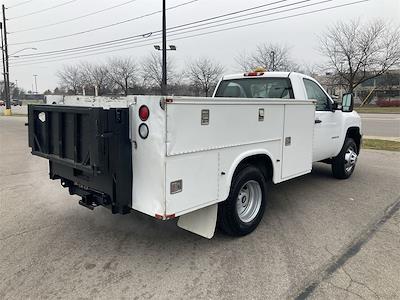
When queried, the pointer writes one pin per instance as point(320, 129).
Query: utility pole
point(164, 51)
point(16, 87)
point(340, 79)
point(4, 62)
point(273, 60)
point(34, 75)
point(7, 71)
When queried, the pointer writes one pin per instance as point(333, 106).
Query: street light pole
point(7, 81)
point(164, 51)
point(34, 75)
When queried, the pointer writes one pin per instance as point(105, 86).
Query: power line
point(42, 10)
point(128, 40)
point(106, 26)
point(235, 12)
point(148, 33)
point(201, 34)
point(73, 19)
point(80, 56)
point(171, 35)
point(271, 20)
point(18, 4)
point(176, 28)
point(74, 49)
point(132, 39)
point(101, 27)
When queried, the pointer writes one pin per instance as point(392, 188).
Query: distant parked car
point(2, 103)
point(16, 102)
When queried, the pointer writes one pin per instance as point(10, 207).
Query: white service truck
point(207, 161)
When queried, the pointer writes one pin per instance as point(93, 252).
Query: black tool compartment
point(88, 148)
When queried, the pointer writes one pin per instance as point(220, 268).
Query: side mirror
point(347, 102)
point(336, 106)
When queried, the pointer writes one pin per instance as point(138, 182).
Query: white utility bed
point(202, 140)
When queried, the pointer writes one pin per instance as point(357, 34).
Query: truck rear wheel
point(344, 164)
point(241, 213)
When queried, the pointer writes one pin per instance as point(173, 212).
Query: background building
point(382, 89)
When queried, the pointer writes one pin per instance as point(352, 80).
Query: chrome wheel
point(350, 158)
point(248, 202)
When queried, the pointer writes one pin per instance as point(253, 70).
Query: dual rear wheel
point(243, 210)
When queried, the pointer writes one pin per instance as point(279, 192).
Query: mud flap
point(201, 222)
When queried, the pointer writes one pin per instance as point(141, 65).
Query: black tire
point(342, 168)
point(229, 220)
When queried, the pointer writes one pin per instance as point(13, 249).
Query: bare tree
point(273, 57)
point(70, 77)
point(123, 72)
point(204, 73)
point(310, 69)
point(152, 70)
point(244, 62)
point(358, 52)
point(95, 75)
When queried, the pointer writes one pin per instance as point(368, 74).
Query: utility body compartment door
point(297, 140)
point(199, 173)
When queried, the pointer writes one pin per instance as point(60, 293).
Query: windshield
point(256, 88)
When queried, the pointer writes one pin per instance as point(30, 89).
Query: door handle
point(317, 121)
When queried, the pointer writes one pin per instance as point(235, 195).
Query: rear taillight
point(144, 113)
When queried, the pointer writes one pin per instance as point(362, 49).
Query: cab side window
point(316, 93)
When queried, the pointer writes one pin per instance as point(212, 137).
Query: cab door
point(326, 127)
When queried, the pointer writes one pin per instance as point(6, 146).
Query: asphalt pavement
point(320, 238)
point(374, 272)
point(382, 125)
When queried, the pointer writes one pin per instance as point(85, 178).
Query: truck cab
point(333, 124)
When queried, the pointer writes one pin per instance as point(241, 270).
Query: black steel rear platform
point(88, 148)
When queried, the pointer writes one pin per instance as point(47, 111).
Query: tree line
point(126, 75)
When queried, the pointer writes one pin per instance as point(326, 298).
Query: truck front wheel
point(344, 164)
point(241, 213)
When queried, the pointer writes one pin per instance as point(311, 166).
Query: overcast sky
point(300, 33)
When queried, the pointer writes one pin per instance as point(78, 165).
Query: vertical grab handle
point(132, 123)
